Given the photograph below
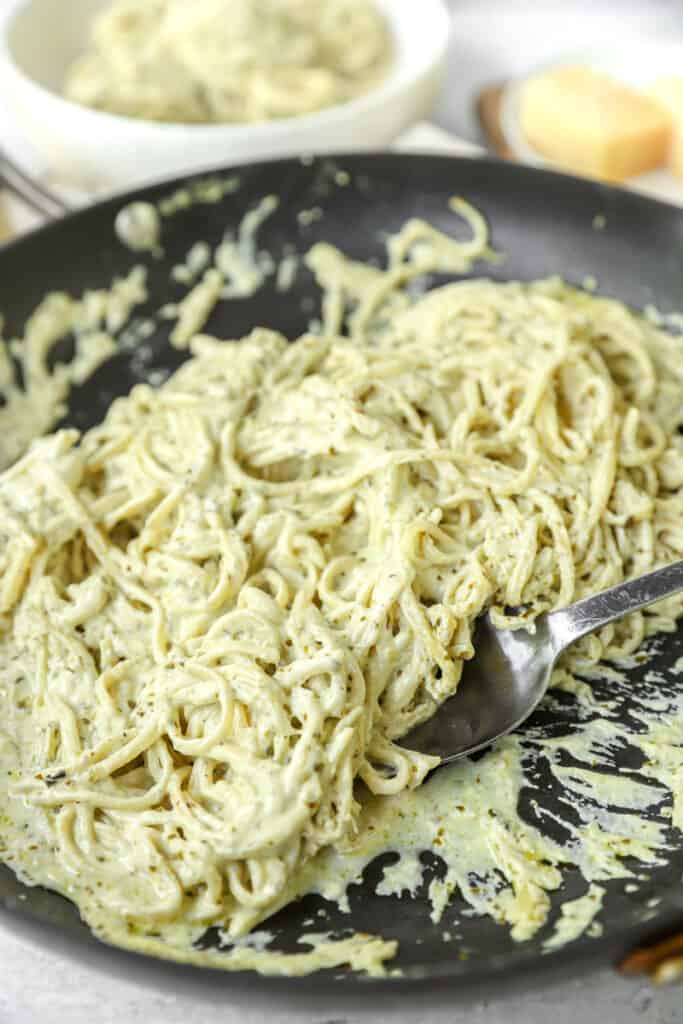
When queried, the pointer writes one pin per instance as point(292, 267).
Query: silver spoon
point(511, 669)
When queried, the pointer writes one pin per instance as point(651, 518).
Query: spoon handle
point(570, 624)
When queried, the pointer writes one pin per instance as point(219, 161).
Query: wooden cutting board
point(488, 107)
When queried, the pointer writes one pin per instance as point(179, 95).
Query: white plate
point(636, 64)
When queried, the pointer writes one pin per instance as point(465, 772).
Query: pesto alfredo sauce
point(221, 609)
point(229, 61)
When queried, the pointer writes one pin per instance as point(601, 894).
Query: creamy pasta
point(229, 60)
point(221, 609)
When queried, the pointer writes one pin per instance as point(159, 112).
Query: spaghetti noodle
point(239, 61)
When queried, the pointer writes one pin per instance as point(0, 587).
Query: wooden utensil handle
point(488, 108)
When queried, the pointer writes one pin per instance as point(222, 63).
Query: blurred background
point(497, 40)
point(471, 100)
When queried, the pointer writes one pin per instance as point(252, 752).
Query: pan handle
point(30, 191)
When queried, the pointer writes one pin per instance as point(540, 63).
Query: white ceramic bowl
point(101, 152)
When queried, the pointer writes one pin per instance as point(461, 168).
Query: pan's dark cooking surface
point(545, 223)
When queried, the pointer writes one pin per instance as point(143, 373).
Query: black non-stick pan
point(546, 223)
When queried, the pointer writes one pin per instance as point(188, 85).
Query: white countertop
point(45, 988)
point(492, 38)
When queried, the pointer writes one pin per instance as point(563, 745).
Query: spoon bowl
point(511, 669)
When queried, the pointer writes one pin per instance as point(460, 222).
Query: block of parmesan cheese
point(586, 122)
point(669, 93)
